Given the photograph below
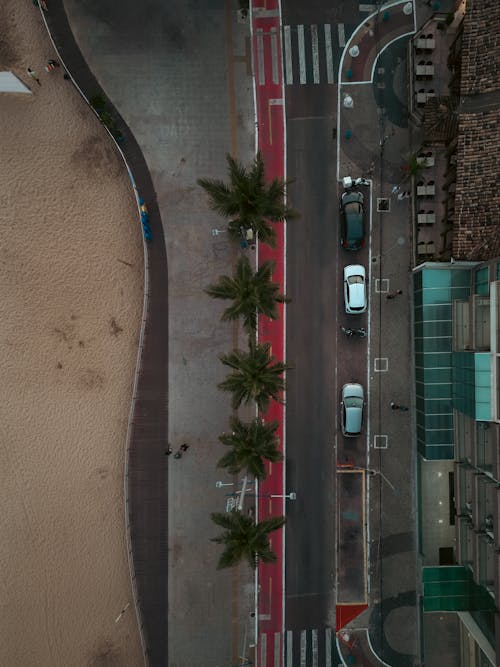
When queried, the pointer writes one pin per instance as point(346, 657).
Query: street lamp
point(288, 496)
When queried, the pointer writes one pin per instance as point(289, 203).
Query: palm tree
point(255, 376)
point(248, 201)
point(244, 539)
point(252, 444)
point(413, 167)
point(251, 293)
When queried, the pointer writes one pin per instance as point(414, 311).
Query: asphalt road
point(322, 360)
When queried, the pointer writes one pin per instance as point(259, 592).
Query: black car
point(352, 223)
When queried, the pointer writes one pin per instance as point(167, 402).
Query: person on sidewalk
point(33, 75)
point(184, 447)
point(395, 406)
point(168, 451)
point(178, 454)
point(393, 295)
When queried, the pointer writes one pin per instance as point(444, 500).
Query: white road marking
point(341, 32)
point(315, 53)
point(303, 645)
point(302, 54)
point(315, 647)
point(263, 650)
point(328, 647)
point(260, 56)
point(274, 52)
point(328, 53)
point(277, 648)
point(289, 645)
point(288, 54)
point(367, 8)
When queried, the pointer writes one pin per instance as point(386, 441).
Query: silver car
point(352, 409)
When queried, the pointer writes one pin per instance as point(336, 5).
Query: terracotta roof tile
point(481, 47)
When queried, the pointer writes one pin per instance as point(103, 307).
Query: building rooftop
point(481, 47)
point(477, 201)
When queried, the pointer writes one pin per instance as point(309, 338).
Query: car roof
point(357, 295)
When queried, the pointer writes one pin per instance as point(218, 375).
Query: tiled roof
point(440, 118)
point(481, 47)
point(477, 201)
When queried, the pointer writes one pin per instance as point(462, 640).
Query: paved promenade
point(181, 81)
point(147, 481)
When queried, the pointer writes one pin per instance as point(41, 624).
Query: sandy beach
point(71, 285)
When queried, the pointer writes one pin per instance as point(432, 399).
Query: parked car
point(352, 409)
point(352, 223)
point(354, 289)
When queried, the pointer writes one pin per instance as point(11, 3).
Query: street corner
point(358, 132)
point(373, 36)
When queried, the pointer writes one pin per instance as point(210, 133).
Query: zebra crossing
point(302, 648)
point(311, 53)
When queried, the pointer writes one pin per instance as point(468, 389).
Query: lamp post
point(288, 496)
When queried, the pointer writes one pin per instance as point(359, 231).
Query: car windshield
point(353, 402)
point(353, 208)
point(352, 280)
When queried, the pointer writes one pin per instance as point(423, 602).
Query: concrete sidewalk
point(181, 81)
point(374, 141)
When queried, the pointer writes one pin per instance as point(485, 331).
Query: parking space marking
point(381, 364)
point(380, 442)
point(381, 285)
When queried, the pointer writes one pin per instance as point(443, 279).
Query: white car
point(352, 409)
point(354, 289)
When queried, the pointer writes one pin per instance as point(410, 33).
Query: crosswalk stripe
point(277, 648)
point(315, 52)
point(289, 648)
point(303, 646)
point(260, 56)
point(263, 650)
point(328, 647)
point(314, 634)
point(310, 648)
point(274, 52)
point(341, 31)
point(302, 54)
point(288, 55)
point(328, 53)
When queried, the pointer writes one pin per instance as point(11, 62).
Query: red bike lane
point(266, 42)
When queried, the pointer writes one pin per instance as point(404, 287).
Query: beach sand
point(71, 286)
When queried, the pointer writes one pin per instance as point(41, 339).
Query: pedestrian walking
point(395, 406)
point(51, 65)
point(33, 75)
point(184, 447)
point(393, 295)
point(395, 188)
point(178, 454)
point(168, 451)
